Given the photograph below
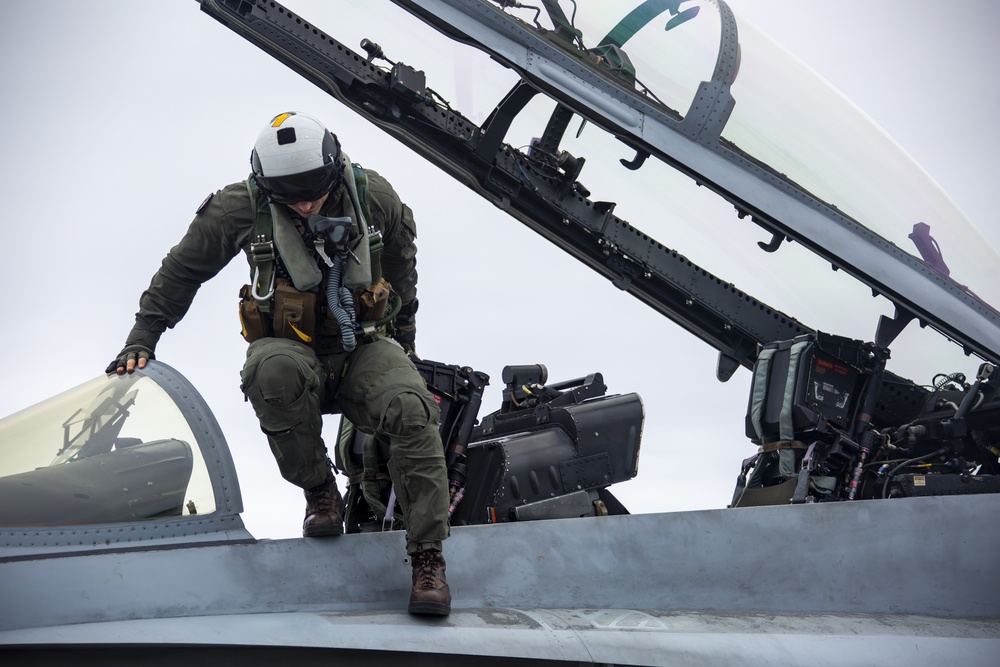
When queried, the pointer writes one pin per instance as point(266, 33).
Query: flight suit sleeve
point(221, 227)
point(399, 254)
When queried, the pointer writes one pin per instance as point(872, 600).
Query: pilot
point(329, 316)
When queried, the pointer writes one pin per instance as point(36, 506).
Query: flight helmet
point(295, 158)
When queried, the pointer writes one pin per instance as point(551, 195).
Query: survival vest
point(275, 234)
point(287, 308)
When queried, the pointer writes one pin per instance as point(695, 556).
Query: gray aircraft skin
point(129, 545)
point(758, 585)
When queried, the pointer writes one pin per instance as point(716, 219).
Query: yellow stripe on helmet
point(281, 118)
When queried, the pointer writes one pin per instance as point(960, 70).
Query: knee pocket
point(406, 413)
point(278, 375)
point(283, 393)
point(277, 419)
point(280, 380)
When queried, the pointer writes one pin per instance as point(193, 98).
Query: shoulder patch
point(201, 207)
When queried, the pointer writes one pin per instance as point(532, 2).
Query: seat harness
point(352, 266)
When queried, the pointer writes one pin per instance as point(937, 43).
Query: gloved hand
point(130, 358)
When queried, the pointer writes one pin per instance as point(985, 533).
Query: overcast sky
point(121, 116)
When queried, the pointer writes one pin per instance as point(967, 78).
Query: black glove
point(133, 352)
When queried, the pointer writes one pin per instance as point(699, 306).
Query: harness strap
point(262, 249)
point(361, 183)
point(368, 476)
point(783, 444)
point(759, 393)
point(786, 427)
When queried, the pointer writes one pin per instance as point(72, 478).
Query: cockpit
point(134, 449)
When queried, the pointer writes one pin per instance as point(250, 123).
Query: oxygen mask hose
point(341, 301)
point(338, 298)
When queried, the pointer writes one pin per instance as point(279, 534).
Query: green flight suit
point(376, 386)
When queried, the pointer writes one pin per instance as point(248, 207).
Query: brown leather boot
point(430, 593)
point(324, 510)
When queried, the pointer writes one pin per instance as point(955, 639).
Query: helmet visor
point(307, 186)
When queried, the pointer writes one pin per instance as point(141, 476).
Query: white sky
point(122, 116)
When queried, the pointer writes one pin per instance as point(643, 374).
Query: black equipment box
point(802, 384)
point(579, 447)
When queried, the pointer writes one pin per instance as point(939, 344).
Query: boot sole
point(322, 531)
point(429, 608)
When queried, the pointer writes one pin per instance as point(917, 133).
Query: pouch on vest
point(373, 302)
point(294, 313)
point(254, 325)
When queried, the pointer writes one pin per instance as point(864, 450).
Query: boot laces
point(425, 569)
point(320, 498)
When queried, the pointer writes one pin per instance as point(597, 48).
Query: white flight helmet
point(295, 158)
